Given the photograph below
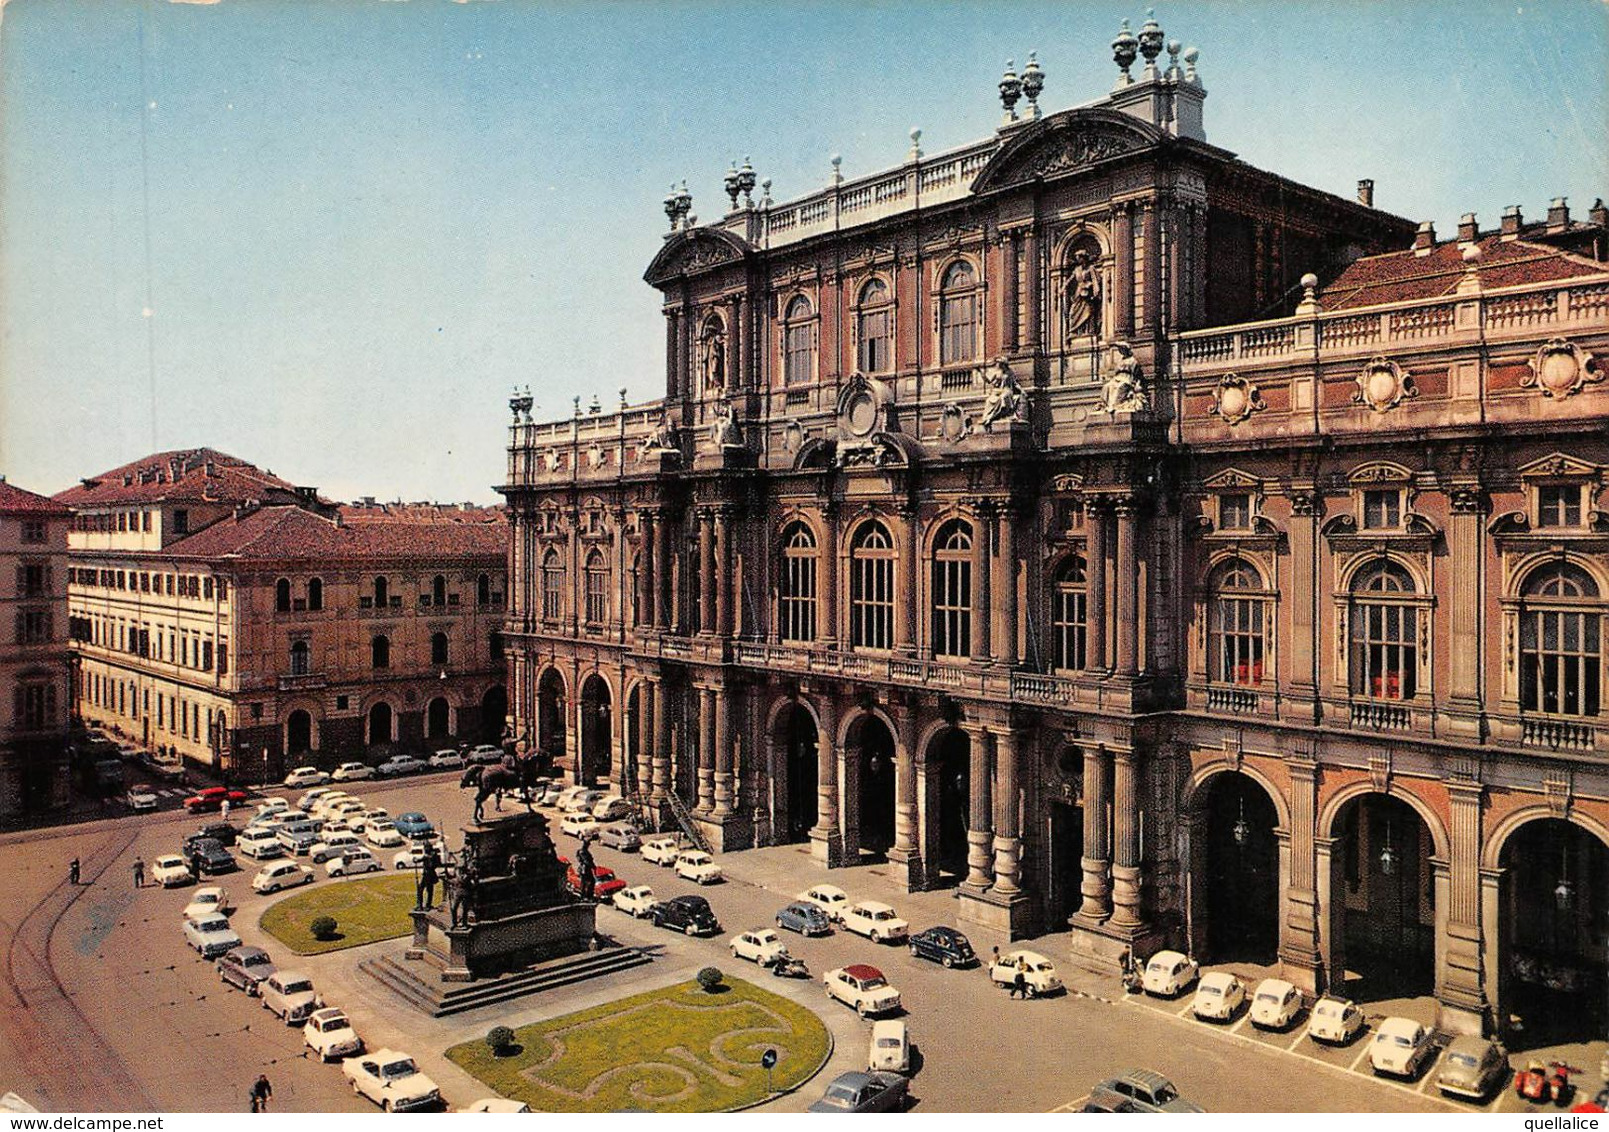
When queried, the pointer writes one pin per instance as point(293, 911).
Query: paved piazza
point(104, 1007)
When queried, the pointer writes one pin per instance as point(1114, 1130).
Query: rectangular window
point(1234, 512)
point(33, 627)
point(1385, 654)
point(798, 354)
point(1382, 510)
point(33, 530)
point(223, 655)
point(799, 597)
point(206, 656)
point(952, 607)
point(206, 587)
point(145, 521)
point(597, 595)
point(181, 521)
point(958, 319)
point(1237, 646)
point(872, 606)
point(875, 337)
point(1558, 505)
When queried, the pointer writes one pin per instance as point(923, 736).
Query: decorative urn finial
point(731, 185)
point(670, 206)
point(1033, 82)
point(1010, 90)
point(916, 143)
point(684, 206)
point(745, 182)
point(1150, 42)
point(1191, 54)
point(1124, 49)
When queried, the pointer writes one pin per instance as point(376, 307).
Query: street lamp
point(1564, 891)
point(1388, 854)
point(1241, 831)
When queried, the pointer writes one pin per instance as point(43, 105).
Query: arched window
point(798, 343)
point(597, 589)
point(552, 586)
point(381, 593)
point(1561, 658)
point(874, 329)
point(1236, 620)
point(438, 591)
point(301, 663)
point(871, 592)
point(1385, 634)
point(315, 594)
point(797, 589)
point(438, 648)
point(282, 595)
point(1069, 616)
point(483, 590)
point(952, 590)
point(958, 315)
point(380, 651)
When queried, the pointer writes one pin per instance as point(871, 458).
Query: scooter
point(1533, 1084)
point(790, 967)
point(1563, 1090)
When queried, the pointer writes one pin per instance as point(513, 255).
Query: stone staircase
point(418, 981)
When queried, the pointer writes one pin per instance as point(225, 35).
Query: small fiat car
point(1275, 1005)
point(804, 918)
point(1400, 1047)
point(877, 922)
point(1335, 1020)
point(329, 1034)
point(1219, 996)
point(863, 987)
point(1169, 974)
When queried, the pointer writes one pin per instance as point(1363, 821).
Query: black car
point(220, 831)
point(690, 914)
point(943, 945)
point(208, 857)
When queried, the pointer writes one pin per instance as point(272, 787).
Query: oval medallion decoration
point(860, 414)
point(1559, 369)
point(1383, 384)
point(1235, 399)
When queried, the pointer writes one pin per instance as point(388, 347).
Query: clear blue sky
point(355, 223)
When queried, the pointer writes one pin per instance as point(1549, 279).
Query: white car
point(382, 833)
point(211, 935)
point(1218, 997)
point(1335, 1020)
point(352, 772)
point(290, 995)
point(863, 988)
point(413, 856)
point(877, 922)
point(1400, 1047)
point(352, 863)
point(273, 806)
point(306, 802)
point(1039, 975)
point(611, 807)
point(578, 824)
point(661, 850)
point(1168, 974)
point(445, 760)
point(391, 1080)
point(363, 820)
point(333, 845)
point(484, 753)
point(281, 874)
point(208, 901)
point(399, 764)
point(762, 946)
point(345, 808)
point(306, 776)
point(329, 1034)
point(890, 1050)
point(1275, 1005)
point(578, 798)
point(636, 901)
point(141, 798)
point(259, 844)
point(829, 898)
point(170, 870)
point(697, 866)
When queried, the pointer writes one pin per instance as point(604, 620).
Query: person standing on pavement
point(1019, 982)
point(223, 810)
point(72, 871)
point(261, 1093)
point(139, 873)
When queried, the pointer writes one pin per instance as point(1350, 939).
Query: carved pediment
point(1231, 479)
point(1558, 465)
point(689, 253)
point(1065, 143)
point(880, 450)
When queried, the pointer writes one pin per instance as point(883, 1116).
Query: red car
point(212, 798)
point(604, 882)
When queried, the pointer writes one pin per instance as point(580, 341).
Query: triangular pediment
point(1064, 144)
point(1230, 479)
point(1558, 465)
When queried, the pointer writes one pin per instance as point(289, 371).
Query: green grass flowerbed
point(365, 911)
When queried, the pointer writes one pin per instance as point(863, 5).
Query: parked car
point(344, 808)
point(299, 837)
point(1335, 1020)
point(362, 820)
point(611, 807)
point(661, 850)
point(290, 995)
point(306, 776)
point(829, 898)
point(212, 798)
point(804, 918)
point(399, 765)
point(352, 772)
point(1472, 1068)
point(413, 856)
point(260, 844)
point(579, 824)
point(445, 760)
point(862, 987)
point(943, 945)
point(329, 1034)
point(1139, 1090)
point(485, 754)
point(272, 806)
point(876, 921)
point(208, 858)
point(221, 832)
point(1275, 1005)
point(689, 914)
point(549, 793)
point(1400, 1047)
point(281, 874)
point(578, 798)
point(211, 934)
point(761, 945)
point(140, 798)
point(890, 1050)
point(325, 804)
point(1039, 974)
point(170, 870)
point(332, 845)
point(864, 1092)
point(352, 863)
point(391, 1080)
point(245, 967)
point(637, 901)
point(604, 882)
point(697, 866)
point(1219, 997)
point(308, 800)
point(382, 833)
point(414, 824)
point(208, 901)
point(1169, 974)
point(619, 836)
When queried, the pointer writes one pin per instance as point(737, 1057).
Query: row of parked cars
point(394, 766)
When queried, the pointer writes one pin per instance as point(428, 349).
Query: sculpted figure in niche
point(1005, 400)
point(1124, 390)
point(712, 355)
point(1081, 306)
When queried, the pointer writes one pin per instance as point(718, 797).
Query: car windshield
point(888, 1043)
point(217, 924)
point(873, 983)
point(395, 1069)
point(333, 1025)
point(1268, 996)
point(259, 960)
point(1158, 968)
point(882, 915)
point(1401, 1040)
point(1464, 1059)
point(207, 898)
point(1209, 989)
point(300, 986)
point(840, 1096)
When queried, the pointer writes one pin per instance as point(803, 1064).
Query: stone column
point(664, 573)
point(656, 742)
point(673, 340)
point(980, 582)
point(1127, 578)
point(723, 572)
point(709, 584)
point(1033, 329)
point(1095, 585)
point(829, 576)
point(1126, 910)
point(826, 839)
point(706, 750)
point(1005, 589)
point(1096, 888)
point(1008, 293)
point(1150, 229)
point(1465, 536)
point(1299, 934)
point(645, 570)
point(1464, 1003)
point(906, 628)
point(723, 751)
point(1123, 270)
point(1007, 814)
point(905, 849)
point(978, 831)
point(1298, 667)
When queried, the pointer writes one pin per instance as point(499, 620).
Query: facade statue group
point(1124, 388)
point(1005, 400)
point(663, 436)
point(712, 355)
point(724, 432)
point(1081, 303)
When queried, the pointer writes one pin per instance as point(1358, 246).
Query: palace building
point(1154, 549)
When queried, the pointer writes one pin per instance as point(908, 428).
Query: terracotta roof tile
point(14, 500)
point(183, 475)
point(286, 532)
point(1402, 276)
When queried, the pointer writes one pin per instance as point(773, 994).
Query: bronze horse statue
point(494, 781)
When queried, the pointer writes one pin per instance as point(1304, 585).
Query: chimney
point(1468, 230)
point(1424, 239)
point(1366, 192)
point(1512, 220)
point(1598, 214)
point(1558, 214)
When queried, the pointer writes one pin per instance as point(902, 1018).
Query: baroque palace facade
point(223, 615)
point(1155, 549)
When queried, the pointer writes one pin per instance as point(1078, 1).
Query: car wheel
point(948, 961)
point(385, 1106)
point(875, 938)
point(914, 953)
point(355, 1090)
point(860, 1008)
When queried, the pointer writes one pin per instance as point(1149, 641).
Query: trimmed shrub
point(710, 978)
point(323, 927)
point(499, 1039)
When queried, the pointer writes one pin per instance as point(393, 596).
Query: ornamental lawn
point(365, 911)
point(677, 1049)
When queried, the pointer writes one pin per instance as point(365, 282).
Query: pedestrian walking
point(261, 1093)
point(1019, 982)
point(223, 810)
point(139, 873)
point(72, 871)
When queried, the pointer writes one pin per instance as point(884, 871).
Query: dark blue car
point(806, 919)
point(413, 824)
point(943, 945)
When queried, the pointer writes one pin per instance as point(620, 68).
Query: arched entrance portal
point(871, 752)
point(795, 739)
point(595, 731)
point(1242, 871)
point(1554, 909)
point(1065, 891)
point(493, 714)
point(951, 757)
point(1383, 897)
point(438, 716)
point(298, 733)
point(380, 724)
point(550, 714)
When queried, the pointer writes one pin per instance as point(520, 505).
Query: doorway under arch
point(1383, 897)
point(596, 728)
point(438, 719)
point(1241, 871)
point(380, 724)
point(872, 745)
point(550, 701)
point(797, 742)
point(951, 757)
point(298, 732)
